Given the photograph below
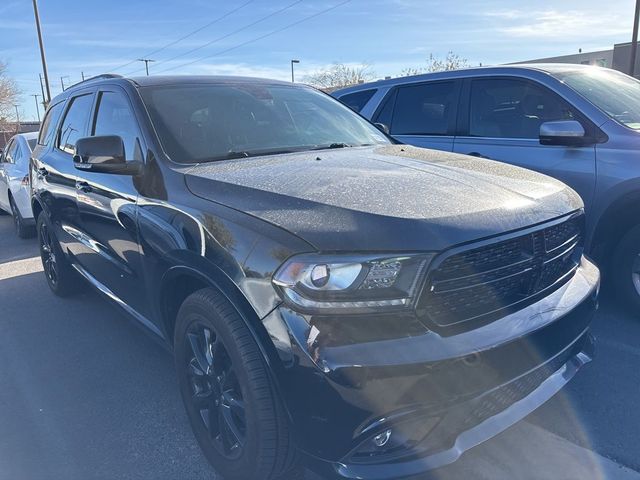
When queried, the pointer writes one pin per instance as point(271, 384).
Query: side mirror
point(563, 132)
point(104, 154)
point(383, 128)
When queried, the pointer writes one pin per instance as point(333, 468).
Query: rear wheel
point(234, 411)
point(626, 269)
point(23, 231)
point(61, 277)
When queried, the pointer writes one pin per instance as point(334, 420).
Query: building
point(9, 129)
point(617, 58)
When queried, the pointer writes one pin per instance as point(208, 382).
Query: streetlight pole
point(35, 96)
point(44, 97)
point(62, 81)
point(293, 80)
point(146, 63)
point(634, 40)
point(42, 55)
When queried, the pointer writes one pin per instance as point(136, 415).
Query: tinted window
point(423, 109)
point(75, 123)
point(115, 117)
point(49, 124)
point(32, 143)
point(507, 108)
point(214, 122)
point(356, 101)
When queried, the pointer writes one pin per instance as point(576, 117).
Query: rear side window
point(356, 101)
point(115, 117)
point(10, 152)
point(49, 124)
point(512, 108)
point(423, 109)
point(74, 124)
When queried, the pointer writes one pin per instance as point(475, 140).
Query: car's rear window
point(357, 100)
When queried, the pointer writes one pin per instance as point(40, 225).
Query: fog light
point(382, 439)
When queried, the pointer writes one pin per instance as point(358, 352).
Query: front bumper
point(466, 387)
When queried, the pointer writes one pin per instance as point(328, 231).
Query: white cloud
point(554, 24)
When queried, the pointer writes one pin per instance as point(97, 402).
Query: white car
point(14, 182)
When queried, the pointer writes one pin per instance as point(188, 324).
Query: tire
point(234, 411)
point(61, 277)
point(625, 269)
point(23, 231)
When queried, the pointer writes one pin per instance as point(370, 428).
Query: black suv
point(332, 298)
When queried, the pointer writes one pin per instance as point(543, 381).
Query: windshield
point(199, 123)
point(618, 95)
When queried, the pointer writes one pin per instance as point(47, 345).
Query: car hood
point(392, 197)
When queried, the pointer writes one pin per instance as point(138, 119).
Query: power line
point(262, 19)
point(190, 34)
point(273, 32)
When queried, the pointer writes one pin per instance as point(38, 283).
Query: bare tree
point(8, 96)
point(452, 61)
point(339, 75)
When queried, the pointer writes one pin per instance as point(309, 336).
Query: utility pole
point(634, 40)
point(35, 96)
point(293, 80)
point(82, 73)
point(146, 63)
point(44, 97)
point(62, 81)
point(42, 55)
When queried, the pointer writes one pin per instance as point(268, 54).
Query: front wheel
point(234, 411)
point(626, 269)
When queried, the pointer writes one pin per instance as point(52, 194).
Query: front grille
point(485, 282)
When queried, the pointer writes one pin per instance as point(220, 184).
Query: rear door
point(501, 120)
point(56, 175)
point(5, 167)
point(422, 114)
point(107, 205)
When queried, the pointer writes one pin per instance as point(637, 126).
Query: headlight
point(325, 284)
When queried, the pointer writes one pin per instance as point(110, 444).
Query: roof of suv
point(171, 80)
point(550, 68)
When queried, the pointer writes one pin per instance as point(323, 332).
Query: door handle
point(42, 172)
point(478, 155)
point(84, 187)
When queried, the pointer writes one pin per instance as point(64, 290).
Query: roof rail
point(97, 77)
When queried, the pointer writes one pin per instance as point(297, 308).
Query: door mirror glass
point(562, 132)
point(103, 154)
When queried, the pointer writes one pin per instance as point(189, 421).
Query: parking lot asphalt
point(85, 394)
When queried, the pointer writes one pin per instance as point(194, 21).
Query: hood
point(392, 197)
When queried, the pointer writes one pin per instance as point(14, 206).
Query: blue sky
point(390, 35)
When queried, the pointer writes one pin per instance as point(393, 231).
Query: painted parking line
point(17, 268)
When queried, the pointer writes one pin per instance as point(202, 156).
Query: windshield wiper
point(333, 145)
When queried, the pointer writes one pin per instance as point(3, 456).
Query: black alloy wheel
point(232, 405)
point(61, 277)
point(48, 254)
point(216, 392)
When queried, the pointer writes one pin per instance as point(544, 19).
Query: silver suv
point(577, 123)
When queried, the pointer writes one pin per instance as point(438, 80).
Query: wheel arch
point(36, 207)
point(179, 282)
point(620, 216)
